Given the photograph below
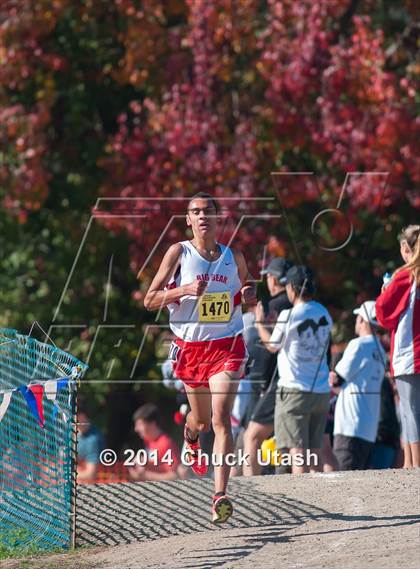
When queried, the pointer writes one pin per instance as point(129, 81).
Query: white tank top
point(213, 315)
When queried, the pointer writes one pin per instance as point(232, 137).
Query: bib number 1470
point(215, 307)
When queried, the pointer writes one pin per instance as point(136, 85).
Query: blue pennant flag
point(62, 383)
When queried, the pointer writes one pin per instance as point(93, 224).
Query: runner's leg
point(223, 388)
point(199, 418)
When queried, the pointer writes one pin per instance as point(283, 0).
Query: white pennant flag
point(5, 403)
point(50, 389)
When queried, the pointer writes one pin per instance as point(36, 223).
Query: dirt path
point(364, 520)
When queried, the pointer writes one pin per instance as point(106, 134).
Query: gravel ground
point(364, 520)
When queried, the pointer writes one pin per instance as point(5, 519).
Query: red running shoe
point(194, 455)
point(221, 509)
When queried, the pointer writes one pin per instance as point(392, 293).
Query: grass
point(18, 542)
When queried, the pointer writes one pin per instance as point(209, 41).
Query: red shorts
point(195, 362)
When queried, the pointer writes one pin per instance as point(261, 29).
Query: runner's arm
point(249, 288)
point(156, 297)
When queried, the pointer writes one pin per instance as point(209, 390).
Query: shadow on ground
point(115, 514)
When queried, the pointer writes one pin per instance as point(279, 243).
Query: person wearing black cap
point(263, 371)
point(301, 339)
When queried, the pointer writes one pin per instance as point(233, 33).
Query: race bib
point(215, 307)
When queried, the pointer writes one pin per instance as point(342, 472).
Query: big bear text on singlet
point(214, 277)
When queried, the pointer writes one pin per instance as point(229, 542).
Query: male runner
point(203, 282)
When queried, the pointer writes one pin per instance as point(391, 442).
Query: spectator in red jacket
point(162, 451)
point(398, 309)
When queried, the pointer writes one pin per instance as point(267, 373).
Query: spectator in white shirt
point(301, 337)
point(358, 377)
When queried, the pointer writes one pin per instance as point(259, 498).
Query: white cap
point(368, 312)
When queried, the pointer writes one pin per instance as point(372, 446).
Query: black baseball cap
point(278, 267)
point(300, 276)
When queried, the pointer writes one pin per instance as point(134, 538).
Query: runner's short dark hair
point(148, 412)
point(205, 196)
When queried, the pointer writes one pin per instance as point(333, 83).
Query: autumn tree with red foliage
point(302, 86)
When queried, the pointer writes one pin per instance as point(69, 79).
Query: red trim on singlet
point(237, 299)
point(170, 287)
